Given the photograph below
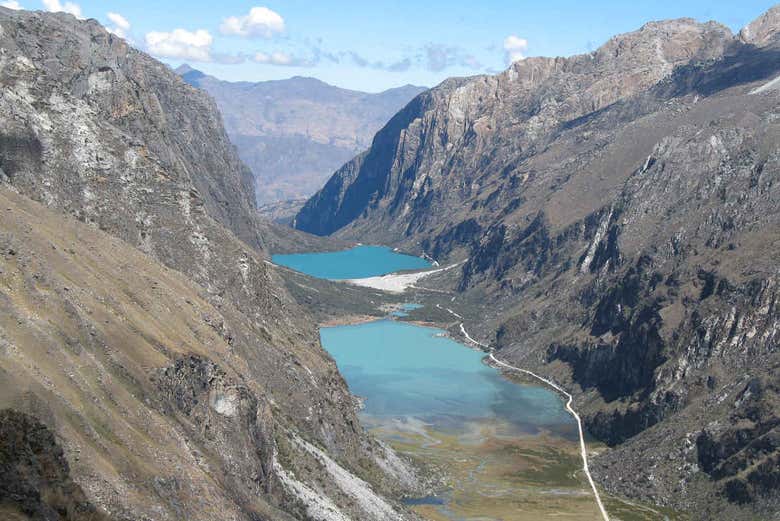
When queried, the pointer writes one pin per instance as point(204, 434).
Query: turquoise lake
point(402, 370)
point(356, 263)
point(405, 371)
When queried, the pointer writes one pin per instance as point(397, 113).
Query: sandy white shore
point(396, 283)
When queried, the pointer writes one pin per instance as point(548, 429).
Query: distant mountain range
point(294, 133)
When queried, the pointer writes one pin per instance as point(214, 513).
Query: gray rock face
point(619, 216)
point(294, 133)
point(425, 157)
point(281, 212)
point(98, 76)
point(763, 30)
point(101, 133)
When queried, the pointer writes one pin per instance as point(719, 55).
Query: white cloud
point(228, 59)
point(119, 20)
point(275, 58)
point(439, 57)
point(68, 7)
point(11, 4)
point(121, 25)
point(259, 22)
point(285, 59)
point(182, 44)
point(514, 48)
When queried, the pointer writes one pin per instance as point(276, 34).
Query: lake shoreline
point(358, 262)
point(354, 320)
point(349, 320)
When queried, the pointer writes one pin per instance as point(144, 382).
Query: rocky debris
point(618, 216)
point(372, 505)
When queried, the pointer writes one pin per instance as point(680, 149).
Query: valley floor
point(484, 474)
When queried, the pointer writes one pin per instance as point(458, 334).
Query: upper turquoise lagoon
point(356, 263)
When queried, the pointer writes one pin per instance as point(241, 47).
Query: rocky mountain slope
point(619, 213)
point(153, 366)
point(281, 212)
point(294, 133)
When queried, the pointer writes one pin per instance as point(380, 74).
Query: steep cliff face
point(189, 406)
point(618, 217)
point(439, 152)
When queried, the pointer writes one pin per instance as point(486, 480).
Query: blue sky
point(375, 45)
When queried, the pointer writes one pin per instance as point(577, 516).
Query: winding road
point(569, 400)
point(569, 408)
